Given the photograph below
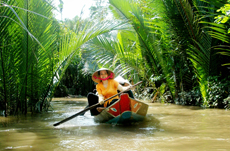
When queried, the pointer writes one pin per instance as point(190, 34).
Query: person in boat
point(124, 83)
point(106, 88)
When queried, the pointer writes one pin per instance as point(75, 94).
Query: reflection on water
point(166, 128)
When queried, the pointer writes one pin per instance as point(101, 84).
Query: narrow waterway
point(167, 127)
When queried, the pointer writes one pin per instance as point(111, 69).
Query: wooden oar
point(93, 106)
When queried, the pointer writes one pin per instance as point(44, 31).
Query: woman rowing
point(106, 88)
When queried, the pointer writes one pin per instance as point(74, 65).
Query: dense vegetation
point(179, 48)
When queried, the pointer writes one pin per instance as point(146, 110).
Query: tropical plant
point(139, 51)
point(224, 17)
point(26, 53)
point(218, 91)
point(172, 39)
point(220, 29)
point(205, 61)
point(35, 52)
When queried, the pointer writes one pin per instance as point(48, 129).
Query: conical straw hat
point(95, 75)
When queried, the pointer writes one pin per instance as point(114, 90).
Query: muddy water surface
point(166, 128)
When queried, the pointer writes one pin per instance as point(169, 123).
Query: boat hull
point(125, 110)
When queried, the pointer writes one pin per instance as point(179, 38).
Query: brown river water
point(167, 127)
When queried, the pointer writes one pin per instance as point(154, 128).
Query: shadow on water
point(85, 126)
point(87, 120)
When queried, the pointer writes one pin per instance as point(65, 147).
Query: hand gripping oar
point(93, 106)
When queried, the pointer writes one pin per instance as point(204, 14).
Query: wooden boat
point(125, 110)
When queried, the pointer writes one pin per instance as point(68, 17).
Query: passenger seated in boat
point(124, 83)
point(106, 88)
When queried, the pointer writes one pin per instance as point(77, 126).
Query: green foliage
point(169, 39)
point(150, 40)
point(35, 51)
point(199, 42)
point(27, 49)
point(61, 91)
point(74, 81)
point(219, 28)
point(227, 102)
point(218, 90)
point(223, 18)
point(192, 97)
